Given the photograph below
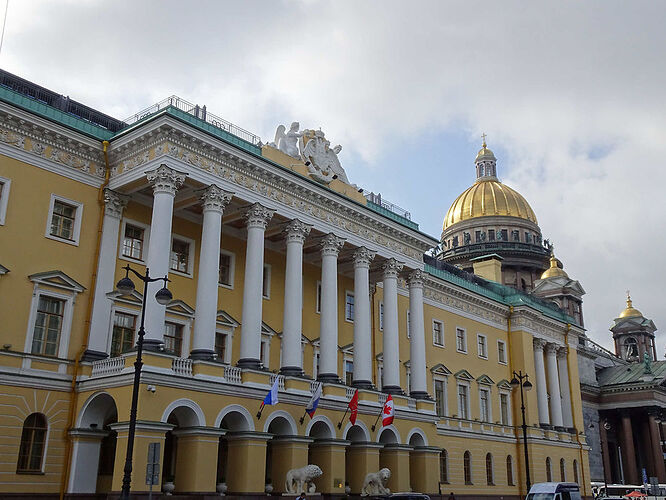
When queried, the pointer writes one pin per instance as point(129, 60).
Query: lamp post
point(163, 297)
point(604, 426)
point(520, 380)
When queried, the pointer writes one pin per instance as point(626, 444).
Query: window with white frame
point(482, 344)
point(318, 303)
point(265, 351)
point(133, 241)
point(173, 338)
point(437, 333)
point(64, 222)
point(408, 328)
point(48, 326)
point(122, 336)
point(349, 371)
point(440, 396)
point(181, 255)
point(484, 405)
point(349, 306)
point(463, 400)
point(223, 346)
point(381, 316)
point(4, 198)
point(501, 351)
point(505, 411)
point(266, 284)
point(461, 340)
point(226, 272)
point(315, 363)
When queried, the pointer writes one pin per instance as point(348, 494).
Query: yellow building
point(280, 269)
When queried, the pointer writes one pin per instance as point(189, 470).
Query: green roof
point(392, 215)
point(631, 374)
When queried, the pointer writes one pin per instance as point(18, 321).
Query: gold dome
point(630, 311)
point(488, 197)
point(554, 270)
point(485, 154)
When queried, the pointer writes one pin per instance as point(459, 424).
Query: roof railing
point(392, 207)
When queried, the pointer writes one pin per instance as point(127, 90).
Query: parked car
point(554, 491)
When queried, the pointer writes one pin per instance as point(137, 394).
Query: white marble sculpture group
point(375, 483)
point(302, 480)
point(312, 147)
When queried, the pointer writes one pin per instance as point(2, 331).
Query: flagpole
point(343, 418)
point(261, 408)
point(303, 417)
point(377, 420)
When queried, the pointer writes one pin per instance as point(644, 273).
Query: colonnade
point(165, 183)
point(552, 384)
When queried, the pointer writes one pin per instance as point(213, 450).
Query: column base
point(545, 426)
point(362, 384)
point(90, 355)
point(153, 345)
point(328, 377)
point(292, 371)
point(252, 363)
point(419, 395)
point(202, 354)
point(392, 389)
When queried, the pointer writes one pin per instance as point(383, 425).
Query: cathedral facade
point(282, 274)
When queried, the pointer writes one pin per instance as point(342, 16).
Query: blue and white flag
point(272, 396)
point(311, 408)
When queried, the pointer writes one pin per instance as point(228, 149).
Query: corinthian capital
point(551, 349)
point(165, 180)
point(215, 198)
point(391, 268)
point(562, 352)
point(114, 203)
point(539, 344)
point(257, 216)
point(296, 231)
point(415, 279)
point(363, 257)
point(331, 245)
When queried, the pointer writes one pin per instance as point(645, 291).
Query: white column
point(165, 182)
point(391, 369)
point(540, 377)
point(100, 320)
point(213, 199)
point(362, 321)
point(567, 417)
point(256, 217)
point(328, 331)
point(417, 350)
point(553, 385)
point(292, 354)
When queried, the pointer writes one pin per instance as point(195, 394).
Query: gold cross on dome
point(484, 139)
point(628, 296)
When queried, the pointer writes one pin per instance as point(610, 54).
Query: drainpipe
point(372, 326)
point(73, 395)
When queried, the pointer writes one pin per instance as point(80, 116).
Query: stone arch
point(417, 437)
point(388, 434)
point(97, 409)
point(356, 432)
point(237, 417)
point(188, 413)
point(283, 424)
point(321, 427)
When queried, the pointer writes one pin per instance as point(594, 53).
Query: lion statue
point(301, 480)
point(375, 483)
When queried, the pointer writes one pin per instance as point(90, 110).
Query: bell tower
point(633, 334)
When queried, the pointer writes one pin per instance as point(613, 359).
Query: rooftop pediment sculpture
point(302, 480)
point(375, 483)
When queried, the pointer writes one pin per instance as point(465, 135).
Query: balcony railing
point(491, 247)
point(108, 366)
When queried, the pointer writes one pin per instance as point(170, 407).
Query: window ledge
point(180, 273)
point(62, 240)
point(31, 472)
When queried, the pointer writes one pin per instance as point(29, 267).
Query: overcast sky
point(572, 96)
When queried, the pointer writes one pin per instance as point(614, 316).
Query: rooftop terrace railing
point(197, 111)
point(391, 207)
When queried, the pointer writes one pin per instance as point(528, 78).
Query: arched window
point(549, 470)
point(443, 467)
point(631, 348)
point(467, 467)
point(509, 470)
point(490, 480)
point(563, 472)
point(575, 467)
point(33, 439)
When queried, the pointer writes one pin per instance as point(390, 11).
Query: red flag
point(353, 406)
point(389, 412)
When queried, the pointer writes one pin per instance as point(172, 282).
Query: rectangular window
point(318, 305)
point(63, 219)
point(265, 352)
point(482, 346)
point(349, 372)
point(505, 234)
point(4, 198)
point(122, 339)
point(501, 351)
point(515, 235)
point(438, 333)
point(180, 255)
point(504, 409)
point(461, 340)
point(173, 338)
point(349, 306)
point(221, 346)
point(133, 242)
point(381, 316)
point(266, 284)
point(408, 328)
point(440, 397)
point(491, 235)
point(48, 326)
point(477, 236)
point(463, 400)
point(484, 405)
point(226, 270)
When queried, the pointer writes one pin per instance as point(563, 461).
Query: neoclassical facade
point(279, 269)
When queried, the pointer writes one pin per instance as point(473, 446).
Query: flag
point(272, 396)
point(353, 407)
point(311, 408)
point(389, 412)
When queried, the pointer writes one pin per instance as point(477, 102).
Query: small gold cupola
point(630, 311)
point(486, 163)
point(554, 270)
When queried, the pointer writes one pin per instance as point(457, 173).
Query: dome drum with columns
point(490, 217)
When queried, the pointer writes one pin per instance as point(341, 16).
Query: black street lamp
point(517, 381)
point(163, 296)
point(606, 427)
